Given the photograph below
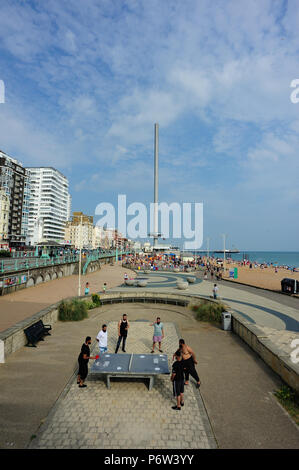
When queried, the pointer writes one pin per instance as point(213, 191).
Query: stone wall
point(277, 359)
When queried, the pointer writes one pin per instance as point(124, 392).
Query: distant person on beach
point(104, 287)
point(102, 339)
point(123, 326)
point(125, 277)
point(215, 291)
point(87, 288)
point(158, 334)
point(177, 379)
point(205, 276)
point(83, 359)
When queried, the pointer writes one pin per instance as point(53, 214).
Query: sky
point(85, 81)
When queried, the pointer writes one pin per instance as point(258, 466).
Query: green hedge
point(5, 254)
point(96, 299)
point(73, 310)
point(209, 311)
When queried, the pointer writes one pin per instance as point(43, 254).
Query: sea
point(279, 258)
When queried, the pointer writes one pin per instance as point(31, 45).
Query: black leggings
point(190, 369)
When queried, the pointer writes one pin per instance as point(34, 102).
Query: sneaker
point(160, 350)
point(182, 404)
point(123, 350)
point(82, 386)
point(152, 351)
point(197, 385)
point(176, 408)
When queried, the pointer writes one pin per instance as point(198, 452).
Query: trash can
point(289, 286)
point(226, 321)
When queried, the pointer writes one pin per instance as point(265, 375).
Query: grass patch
point(289, 399)
point(73, 310)
point(209, 312)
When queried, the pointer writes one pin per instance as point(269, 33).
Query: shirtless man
point(189, 360)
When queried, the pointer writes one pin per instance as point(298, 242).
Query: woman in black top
point(83, 359)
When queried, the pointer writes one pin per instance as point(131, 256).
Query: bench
point(36, 332)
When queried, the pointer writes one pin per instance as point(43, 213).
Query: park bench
point(36, 332)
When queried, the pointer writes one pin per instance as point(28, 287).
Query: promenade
point(235, 407)
point(26, 302)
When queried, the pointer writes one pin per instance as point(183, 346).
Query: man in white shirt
point(102, 339)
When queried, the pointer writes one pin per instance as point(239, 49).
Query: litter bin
point(289, 286)
point(226, 321)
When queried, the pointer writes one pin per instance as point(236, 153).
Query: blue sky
point(86, 80)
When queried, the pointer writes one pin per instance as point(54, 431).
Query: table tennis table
point(131, 366)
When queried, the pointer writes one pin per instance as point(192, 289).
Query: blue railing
point(97, 256)
point(20, 264)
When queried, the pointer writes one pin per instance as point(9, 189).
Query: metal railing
point(97, 256)
point(21, 263)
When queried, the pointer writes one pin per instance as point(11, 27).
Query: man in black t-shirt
point(177, 379)
point(83, 359)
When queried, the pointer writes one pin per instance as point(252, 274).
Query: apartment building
point(4, 216)
point(14, 181)
point(49, 205)
point(80, 231)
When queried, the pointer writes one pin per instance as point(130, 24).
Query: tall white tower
point(156, 185)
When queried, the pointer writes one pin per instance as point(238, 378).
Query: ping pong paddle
point(97, 356)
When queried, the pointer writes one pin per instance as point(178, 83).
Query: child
point(215, 291)
point(177, 379)
point(87, 288)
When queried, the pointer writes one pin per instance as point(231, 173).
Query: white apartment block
point(49, 205)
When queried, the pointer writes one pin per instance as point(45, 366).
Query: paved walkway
point(128, 416)
point(279, 322)
point(236, 386)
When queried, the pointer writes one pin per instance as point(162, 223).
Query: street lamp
point(224, 235)
point(80, 261)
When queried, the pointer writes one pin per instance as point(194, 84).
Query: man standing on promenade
point(83, 359)
point(177, 379)
point(189, 361)
point(158, 334)
point(123, 326)
point(102, 339)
